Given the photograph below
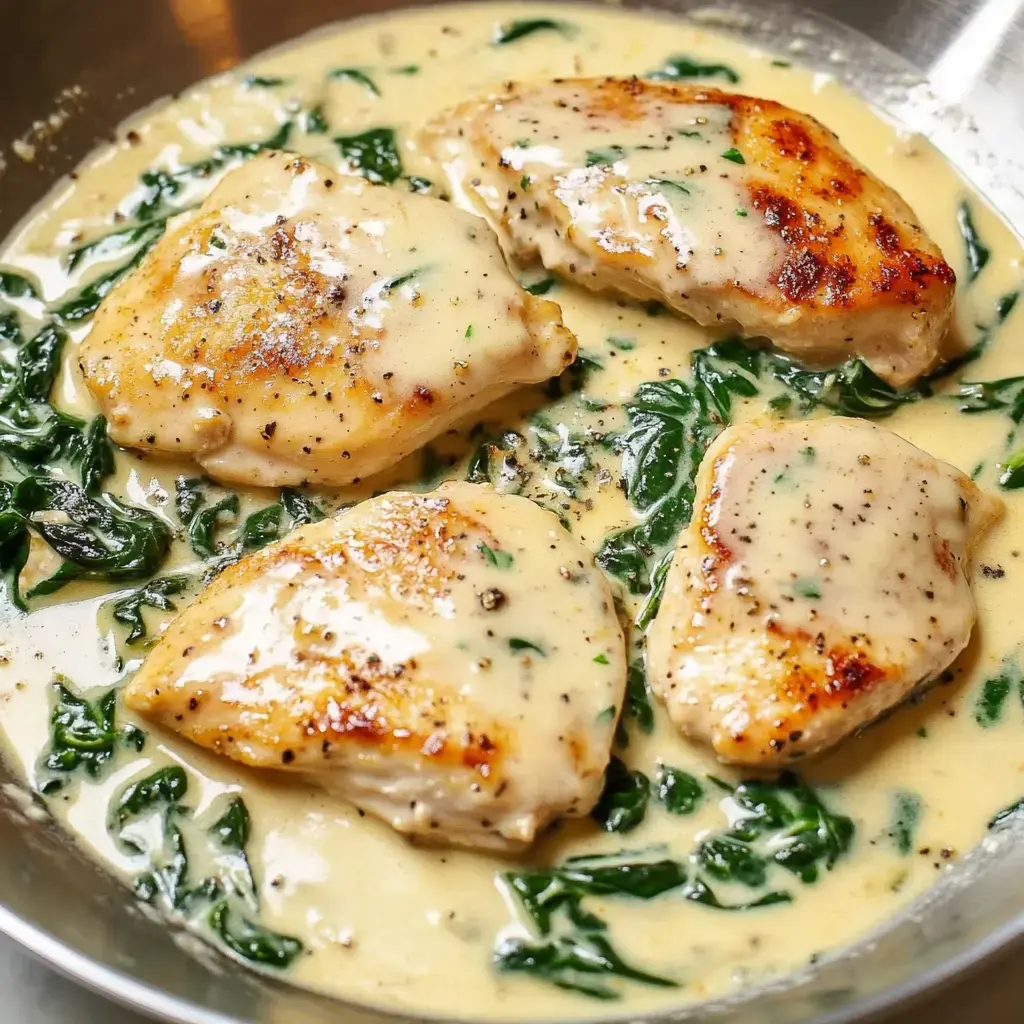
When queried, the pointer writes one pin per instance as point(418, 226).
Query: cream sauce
point(390, 923)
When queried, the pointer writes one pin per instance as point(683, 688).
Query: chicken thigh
point(451, 662)
point(822, 580)
point(724, 207)
point(307, 326)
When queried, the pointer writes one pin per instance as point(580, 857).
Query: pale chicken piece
point(451, 662)
point(822, 580)
point(724, 207)
point(307, 326)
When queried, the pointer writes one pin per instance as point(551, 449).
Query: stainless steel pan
point(125, 54)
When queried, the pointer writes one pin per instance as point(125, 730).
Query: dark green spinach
point(995, 691)
point(251, 941)
point(784, 822)
point(357, 76)
point(373, 154)
point(510, 31)
point(83, 735)
point(678, 791)
point(680, 66)
point(127, 610)
point(99, 538)
point(976, 252)
point(906, 816)
point(623, 801)
point(576, 962)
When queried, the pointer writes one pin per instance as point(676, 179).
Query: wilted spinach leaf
point(15, 285)
point(679, 791)
point(164, 786)
point(510, 31)
point(976, 252)
point(787, 823)
point(98, 538)
point(357, 76)
point(251, 941)
point(623, 801)
point(373, 154)
point(681, 66)
point(906, 815)
point(232, 831)
point(577, 962)
point(155, 594)
point(995, 690)
point(83, 734)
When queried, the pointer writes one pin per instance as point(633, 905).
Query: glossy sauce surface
point(388, 922)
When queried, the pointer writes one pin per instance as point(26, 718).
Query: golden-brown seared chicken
point(724, 207)
point(308, 326)
point(821, 581)
point(451, 662)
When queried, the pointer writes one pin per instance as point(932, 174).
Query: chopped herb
point(373, 154)
point(668, 183)
point(976, 251)
point(680, 66)
point(357, 76)
point(807, 588)
point(516, 643)
point(406, 69)
point(510, 31)
point(1011, 476)
point(541, 287)
point(262, 81)
point(907, 808)
point(601, 659)
point(495, 556)
point(741, 213)
point(314, 122)
point(469, 331)
point(604, 157)
point(524, 183)
point(995, 691)
point(734, 155)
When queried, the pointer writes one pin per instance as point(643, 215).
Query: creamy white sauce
point(390, 923)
